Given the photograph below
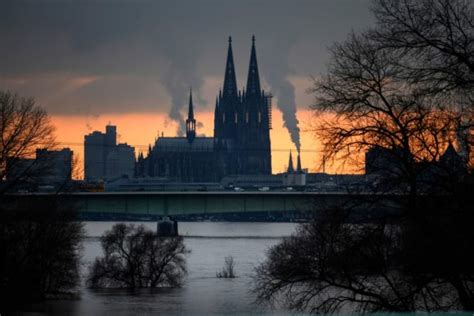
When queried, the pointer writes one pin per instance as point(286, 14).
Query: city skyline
point(130, 62)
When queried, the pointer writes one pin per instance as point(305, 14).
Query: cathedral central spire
point(253, 80)
point(230, 82)
point(298, 165)
point(190, 121)
point(190, 109)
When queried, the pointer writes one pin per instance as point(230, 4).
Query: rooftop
point(181, 144)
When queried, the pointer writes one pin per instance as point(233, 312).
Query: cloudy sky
point(108, 59)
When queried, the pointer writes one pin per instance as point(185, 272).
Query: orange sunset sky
point(131, 64)
point(141, 129)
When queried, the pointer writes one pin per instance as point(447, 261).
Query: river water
point(202, 293)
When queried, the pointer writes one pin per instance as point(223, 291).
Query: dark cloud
point(100, 56)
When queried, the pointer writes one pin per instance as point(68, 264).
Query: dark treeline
point(40, 251)
point(41, 236)
point(40, 239)
point(403, 91)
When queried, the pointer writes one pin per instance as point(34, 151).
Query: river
point(202, 293)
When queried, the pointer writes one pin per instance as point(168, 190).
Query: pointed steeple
point(291, 169)
point(253, 79)
point(230, 82)
point(190, 109)
point(190, 122)
point(298, 165)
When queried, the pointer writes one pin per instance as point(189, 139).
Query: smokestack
point(298, 165)
point(291, 169)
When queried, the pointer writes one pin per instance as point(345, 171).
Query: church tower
point(255, 130)
point(190, 121)
point(242, 121)
point(227, 104)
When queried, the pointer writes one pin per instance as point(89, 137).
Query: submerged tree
point(227, 271)
point(405, 89)
point(135, 257)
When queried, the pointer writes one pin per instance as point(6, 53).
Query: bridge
point(228, 205)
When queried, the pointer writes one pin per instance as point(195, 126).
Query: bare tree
point(24, 127)
point(433, 46)
point(417, 60)
point(40, 236)
point(372, 107)
point(329, 265)
point(136, 258)
point(401, 89)
point(433, 41)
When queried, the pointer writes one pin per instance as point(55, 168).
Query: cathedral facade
point(241, 142)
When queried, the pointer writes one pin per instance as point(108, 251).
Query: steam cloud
point(285, 92)
point(276, 75)
point(180, 75)
point(176, 87)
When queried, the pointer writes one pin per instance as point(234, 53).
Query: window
point(246, 117)
point(235, 118)
point(259, 117)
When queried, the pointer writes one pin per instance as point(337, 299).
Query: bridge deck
point(184, 203)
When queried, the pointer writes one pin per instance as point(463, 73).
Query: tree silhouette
point(24, 127)
point(136, 258)
point(401, 90)
point(41, 243)
point(40, 236)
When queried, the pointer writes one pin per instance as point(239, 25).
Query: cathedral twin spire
point(253, 79)
point(230, 82)
point(241, 121)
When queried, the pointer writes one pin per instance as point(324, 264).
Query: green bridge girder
point(152, 204)
point(192, 203)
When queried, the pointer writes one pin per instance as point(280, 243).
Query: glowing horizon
point(141, 129)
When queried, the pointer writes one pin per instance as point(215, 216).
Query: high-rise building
point(120, 162)
point(104, 159)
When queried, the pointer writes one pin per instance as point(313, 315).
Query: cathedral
point(241, 142)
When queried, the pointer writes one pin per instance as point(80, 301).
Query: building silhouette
point(104, 159)
point(241, 142)
point(51, 168)
point(388, 168)
point(294, 177)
